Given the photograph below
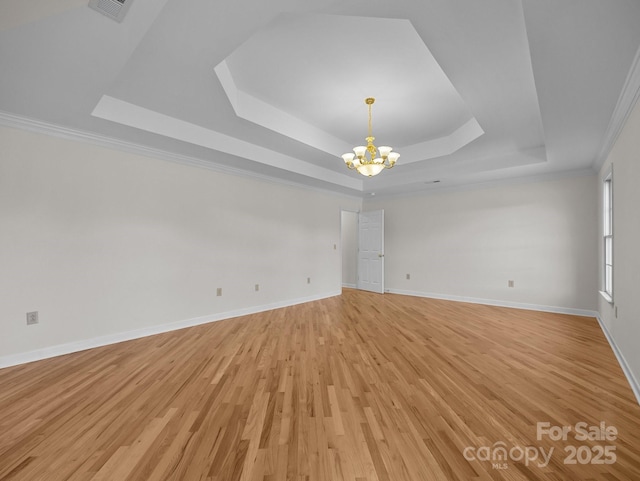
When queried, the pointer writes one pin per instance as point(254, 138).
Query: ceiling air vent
point(115, 9)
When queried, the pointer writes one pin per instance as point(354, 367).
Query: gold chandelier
point(365, 159)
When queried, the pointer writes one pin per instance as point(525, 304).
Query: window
point(607, 202)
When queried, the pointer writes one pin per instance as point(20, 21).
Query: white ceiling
point(466, 91)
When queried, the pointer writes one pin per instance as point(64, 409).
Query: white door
point(371, 251)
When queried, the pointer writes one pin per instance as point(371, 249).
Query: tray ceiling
point(466, 91)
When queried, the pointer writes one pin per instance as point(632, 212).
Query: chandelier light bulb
point(348, 158)
point(384, 151)
point(360, 151)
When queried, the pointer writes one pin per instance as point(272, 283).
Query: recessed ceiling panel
point(307, 75)
point(466, 91)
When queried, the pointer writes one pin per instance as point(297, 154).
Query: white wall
point(349, 248)
point(470, 243)
point(102, 242)
point(625, 328)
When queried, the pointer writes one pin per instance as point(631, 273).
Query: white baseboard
point(350, 286)
point(68, 348)
point(633, 382)
point(494, 302)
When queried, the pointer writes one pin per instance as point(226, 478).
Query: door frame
point(354, 252)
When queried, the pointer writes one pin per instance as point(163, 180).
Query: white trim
point(24, 123)
point(132, 115)
point(349, 286)
point(68, 348)
point(53, 130)
point(606, 296)
point(626, 101)
point(434, 189)
point(494, 302)
point(633, 382)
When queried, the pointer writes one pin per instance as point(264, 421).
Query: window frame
point(607, 237)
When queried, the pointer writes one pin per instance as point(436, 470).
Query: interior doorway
point(349, 243)
point(362, 246)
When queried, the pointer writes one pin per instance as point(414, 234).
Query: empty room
point(319, 241)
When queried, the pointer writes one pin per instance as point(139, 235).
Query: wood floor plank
point(351, 388)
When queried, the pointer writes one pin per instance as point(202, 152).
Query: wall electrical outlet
point(511, 284)
point(32, 318)
point(219, 291)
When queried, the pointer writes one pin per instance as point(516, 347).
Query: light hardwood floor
point(357, 387)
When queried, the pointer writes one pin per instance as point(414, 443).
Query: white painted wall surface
point(349, 248)
point(102, 242)
point(625, 329)
point(470, 243)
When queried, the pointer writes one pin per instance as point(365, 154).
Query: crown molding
point(483, 185)
point(132, 115)
point(626, 101)
point(25, 123)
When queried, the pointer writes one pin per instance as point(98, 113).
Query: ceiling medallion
point(365, 159)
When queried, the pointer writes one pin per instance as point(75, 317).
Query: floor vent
point(115, 9)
